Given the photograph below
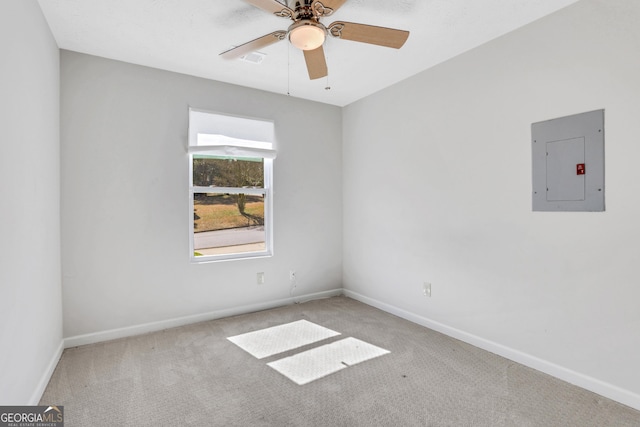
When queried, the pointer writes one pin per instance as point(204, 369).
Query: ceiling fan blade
point(381, 36)
point(254, 45)
point(316, 63)
point(272, 6)
point(327, 7)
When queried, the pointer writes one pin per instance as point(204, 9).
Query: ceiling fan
point(308, 33)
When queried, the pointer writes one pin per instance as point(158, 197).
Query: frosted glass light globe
point(307, 37)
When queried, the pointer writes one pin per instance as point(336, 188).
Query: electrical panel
point(568, 163)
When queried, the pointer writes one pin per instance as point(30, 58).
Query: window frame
point(228, 149)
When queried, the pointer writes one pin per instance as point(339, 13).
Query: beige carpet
point(194, 376)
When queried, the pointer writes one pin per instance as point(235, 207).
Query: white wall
point(437, 187)
point(30, 294)
point(125, 204)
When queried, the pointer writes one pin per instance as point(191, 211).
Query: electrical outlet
point(260, 278)
point(426, 289)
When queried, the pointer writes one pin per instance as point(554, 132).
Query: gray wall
point(438, 189)
point(125, 204)
point(30, 295)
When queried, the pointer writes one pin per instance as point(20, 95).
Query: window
point(231, 163)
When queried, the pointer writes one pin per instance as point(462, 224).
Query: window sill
point(206, 259)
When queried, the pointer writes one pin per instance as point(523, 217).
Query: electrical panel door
point(568, 163)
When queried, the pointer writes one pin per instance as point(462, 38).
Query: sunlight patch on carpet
point(319, 362)
point(278, 339)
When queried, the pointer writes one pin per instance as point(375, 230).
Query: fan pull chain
point(288, 68)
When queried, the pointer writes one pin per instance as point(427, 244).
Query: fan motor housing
point(304, 10)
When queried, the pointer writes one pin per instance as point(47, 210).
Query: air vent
point(253, 57)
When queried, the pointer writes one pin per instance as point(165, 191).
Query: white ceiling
point(186, 36)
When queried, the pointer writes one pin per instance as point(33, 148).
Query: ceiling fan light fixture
point(307, 35)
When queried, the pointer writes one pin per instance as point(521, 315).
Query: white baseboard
point(589, 383)
point(186, 320)
point(576, 378)
point(46, 376)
